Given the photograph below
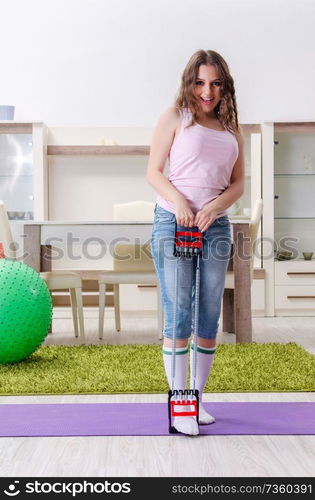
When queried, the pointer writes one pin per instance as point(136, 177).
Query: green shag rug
point(108, 369)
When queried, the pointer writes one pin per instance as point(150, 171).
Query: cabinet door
point(294, 187)
point(289, 215)
point(297, 272)
point(296, 299)
point(16, 175)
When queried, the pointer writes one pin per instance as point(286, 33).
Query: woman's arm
point(205, 217)
point(161, 143)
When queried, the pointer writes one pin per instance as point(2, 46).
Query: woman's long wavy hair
point(226, 109)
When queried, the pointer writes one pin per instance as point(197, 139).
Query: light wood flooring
point(173, 456)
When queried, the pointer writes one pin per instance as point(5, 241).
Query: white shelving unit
point(289, 217)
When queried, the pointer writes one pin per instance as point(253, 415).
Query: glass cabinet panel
point(294, 191)
point(16, 175)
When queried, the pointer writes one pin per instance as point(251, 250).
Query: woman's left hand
point(206, 216)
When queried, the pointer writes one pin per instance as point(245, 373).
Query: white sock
point(186, 425)
point(205, 357)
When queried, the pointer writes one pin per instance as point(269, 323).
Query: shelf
point(16, 127)
point(97, 150)
point(293, 175)
point(16, 176)
point(294, 127)
point(299, 259)
point(16, 221)
point(241, 216)
point(250, 128)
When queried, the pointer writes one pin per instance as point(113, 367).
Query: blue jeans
point(217, 243)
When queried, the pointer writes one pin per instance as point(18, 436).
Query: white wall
point(118, 63)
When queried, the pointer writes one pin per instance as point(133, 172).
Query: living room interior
point(83, 87)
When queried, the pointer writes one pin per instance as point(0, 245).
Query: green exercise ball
point(25, 311)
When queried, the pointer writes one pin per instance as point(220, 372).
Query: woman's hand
point(206, 216)
point(184, 215)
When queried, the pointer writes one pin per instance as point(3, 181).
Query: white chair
point(229, 280)
point(134, 210)
point(55, 280)
point(133, 264)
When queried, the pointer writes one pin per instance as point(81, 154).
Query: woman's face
point(207, 89)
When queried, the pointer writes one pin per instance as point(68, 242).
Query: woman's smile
point(207, 87)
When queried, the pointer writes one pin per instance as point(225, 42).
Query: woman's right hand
point(184, 215)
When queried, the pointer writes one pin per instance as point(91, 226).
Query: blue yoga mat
point(151, 419)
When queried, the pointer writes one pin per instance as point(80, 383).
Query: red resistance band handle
point(183, 413)
point(188, 243)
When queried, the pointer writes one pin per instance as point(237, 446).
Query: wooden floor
point(175, 456)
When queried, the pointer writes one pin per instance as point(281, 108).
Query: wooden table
point(40, 236)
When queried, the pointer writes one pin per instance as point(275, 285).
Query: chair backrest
point(135, 258)
point(128, 257)
point(134, 210)
point(6, 238)
point(253, 230)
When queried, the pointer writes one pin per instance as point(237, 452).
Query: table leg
point(36, 256)
point(228, 311)
point(45, 265)
point(32, 257)
point(242, 283)
point(45, 258)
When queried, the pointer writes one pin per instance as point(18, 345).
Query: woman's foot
point(186, 425)
point(205, 417)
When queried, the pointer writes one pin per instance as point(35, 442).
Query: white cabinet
point(297, 272)
point(289, 217)
point(23, 179)
point(295, 288)
point(23, 175)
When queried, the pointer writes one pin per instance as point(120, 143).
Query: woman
point(200, 134)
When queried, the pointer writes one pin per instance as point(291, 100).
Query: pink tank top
point(201, 161)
